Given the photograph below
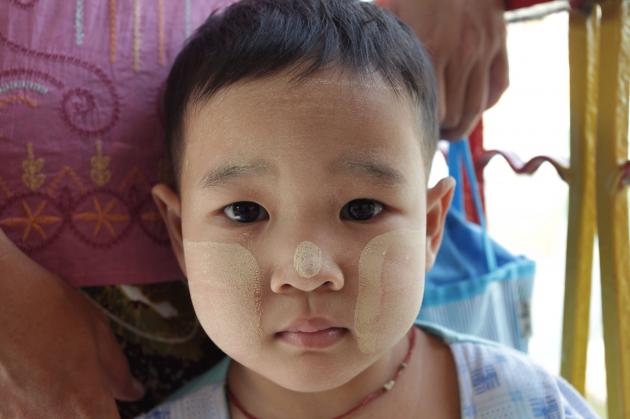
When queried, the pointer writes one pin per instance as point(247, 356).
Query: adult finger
point(476, 97)
point(457, 75)
point(441, 91)
point(499, 77)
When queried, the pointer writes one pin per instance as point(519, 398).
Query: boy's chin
point(314, 381)
point(314, 374)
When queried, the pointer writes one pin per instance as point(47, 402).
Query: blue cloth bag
point(476, 286)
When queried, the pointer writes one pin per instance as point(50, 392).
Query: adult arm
point(58, 356)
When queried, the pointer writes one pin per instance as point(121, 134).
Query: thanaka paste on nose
point(307, 259)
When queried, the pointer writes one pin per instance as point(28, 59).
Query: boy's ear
point(169, 206)
point(438, 201)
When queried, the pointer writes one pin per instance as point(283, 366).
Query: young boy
point(301, 135)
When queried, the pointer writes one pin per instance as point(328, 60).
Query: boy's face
point(304, 225)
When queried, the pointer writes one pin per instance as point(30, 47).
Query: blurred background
point(528, 214)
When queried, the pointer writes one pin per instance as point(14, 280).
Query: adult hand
point(58, 356)
point(466, 41)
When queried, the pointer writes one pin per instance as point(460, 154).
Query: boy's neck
point(265, 399)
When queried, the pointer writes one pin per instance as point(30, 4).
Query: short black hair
point(253, 39)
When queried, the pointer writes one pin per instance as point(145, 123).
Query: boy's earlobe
point(438, 201)
point(169, 205)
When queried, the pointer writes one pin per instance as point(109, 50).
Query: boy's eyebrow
point(226, 172)
point(378, 171)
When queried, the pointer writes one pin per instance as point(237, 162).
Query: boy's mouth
point(314, 340)
point(314, 333)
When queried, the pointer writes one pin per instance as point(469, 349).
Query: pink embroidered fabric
point(81, 142)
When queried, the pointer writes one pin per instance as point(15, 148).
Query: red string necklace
point(374, 395)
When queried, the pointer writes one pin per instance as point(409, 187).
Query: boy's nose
point(310, 270)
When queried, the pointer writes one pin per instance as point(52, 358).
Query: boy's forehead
point(284, 87)
point(317, 97)
point(236, 118)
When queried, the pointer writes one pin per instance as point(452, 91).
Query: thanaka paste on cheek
point(390, 288)
point(307, 259)
point(225, 288)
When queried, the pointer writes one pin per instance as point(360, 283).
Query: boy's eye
point(361, 209)
point(245, 212)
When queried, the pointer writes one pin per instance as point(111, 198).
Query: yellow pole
point(612, 205)
point(583, 65)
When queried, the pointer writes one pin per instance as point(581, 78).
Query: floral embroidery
point(78, 23)
point(160, 22)
point(18, 99)
point(136, 35)
point(86, 97)
point(23, 84)
point(32, 167)
point(80, 108)
point(98, 217)
point(66, 173)
point(112, 31)
point(102, 216)
point(4, 188)
point(187, 19)
point(99, 173)
point(25, 4)
point(32, 220)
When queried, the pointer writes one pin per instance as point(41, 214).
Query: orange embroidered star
point(32, 220)
point(102, 216)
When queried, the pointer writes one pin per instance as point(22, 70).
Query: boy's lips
point(309, 325)
point(312, 333)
